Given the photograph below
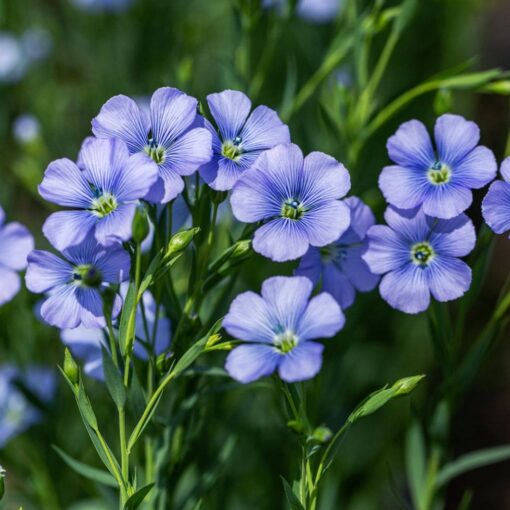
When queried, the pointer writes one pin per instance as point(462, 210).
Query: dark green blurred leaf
point(113, 380)
point(137, 498)
point(292, 499)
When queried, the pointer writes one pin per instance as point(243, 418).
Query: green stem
point(124, 454)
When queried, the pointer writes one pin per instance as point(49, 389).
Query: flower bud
point(140, 226)
point(321, 435)
point(180, 241)
point(70, 367)
point(406, 385)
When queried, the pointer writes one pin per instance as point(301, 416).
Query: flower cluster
point(298, 205)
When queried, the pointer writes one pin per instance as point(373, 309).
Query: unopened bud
point(321, 435)
point(140, 226)
point(70, 367)
point(181, 241)
point(406, 385)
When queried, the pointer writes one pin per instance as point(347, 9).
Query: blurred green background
point(77, 59)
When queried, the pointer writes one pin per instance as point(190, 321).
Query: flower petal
point(138, 175)
point(505, 171)
point(248, 363)
point(410, 146)
point(336, 283)
point(405, 188)
point(362, 218)
point(455, 137)
point(120, 117)
point(448, 278)
point(263, 130)
point(287, 299)
point(68, 228)
point(357, 270)
point(455, 237)
point(406, 289)
point(10, 284)
point(281, 239)
point(477, 168)
point(104, 162)
point(230, 110)
point(326, 222)
point(249, 319)
point(386, 251)
point(65, 184)
point(62, 308)
point(322, 318)
point(189, 151)
point(172, 112)
point(46, 271)
point(447, 201)
point(324, 178)
point(169, 185)
point(114, 264)
point(302, 363)
point(91, 313)
point(310, 266)
point(117, 226)
point(496, 207)
point(16, 243)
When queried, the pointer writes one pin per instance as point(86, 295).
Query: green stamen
point(155, 151)
point(285, 341)
point(232, 149)
point(422, 253)
point(104, 205)
point(86, 275)
point(439, 173)
point(292, 209)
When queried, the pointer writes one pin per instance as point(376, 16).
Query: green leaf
point(292, 499)
point(416, 463)
point(407, 10)
point(471, 461)
point(190, 355)
point(137, 498)
point(92, 473)
point(127, 320)
point(113, 380)
point(85, 407)
point(381, 397)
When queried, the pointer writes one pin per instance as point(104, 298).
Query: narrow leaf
point(92, 473)
point(471, 461)
point(85, 407)
point(113, 380)
point(292, 499)
point(127, 320)
point(137, 498)
point(416, 463)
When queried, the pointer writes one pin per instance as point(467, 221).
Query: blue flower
point(419, 255)
point(74, 284)
point(85, 343)
point(172, 136)
point(279, 326)
point(316, 11)
point(339, 265)
point(496, 204)
point(297, 198)
point(97, 6)
point(17, 412)
point(103, 191)
point(243, 136)
point(442, 179)
point(16, 243)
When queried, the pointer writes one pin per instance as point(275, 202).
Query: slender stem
point(111, 337)
point(123, 452)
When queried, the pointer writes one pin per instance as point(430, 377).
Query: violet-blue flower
point(172, 136)
point(297, 198)
point(242, 137)
point(16, 243)
point(496, 204)
point(17, 411)
point(102, 192)
point(439, 179)
point(74, 284)
point(419, 256)
point(279, 326)
point(339, 266)
point(85, 343)
point(316, 11)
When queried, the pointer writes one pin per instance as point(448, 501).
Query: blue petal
point(455, 137)
point(448, 278)
point(248, 363)
point(322, 318)
point(16, 243)
point(230, 110)
point(411, 147)
point(302, 363)
point(496, 207)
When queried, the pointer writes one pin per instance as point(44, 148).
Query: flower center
point(231, 149)
point(285, 340)
point(104, 204)
point(155, 151)
point(439, 173)
point(333, 252)
point(422, 253)
point(87, 275)
point(292, 209)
